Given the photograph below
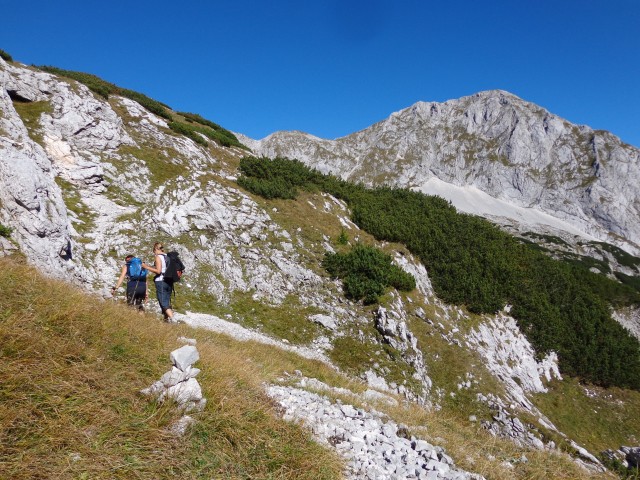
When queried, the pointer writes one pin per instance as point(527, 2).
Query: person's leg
point(141, 292)
point(163, 292)
point(131, 293)
point(169, 310)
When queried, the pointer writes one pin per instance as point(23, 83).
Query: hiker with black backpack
point(136, 282)
point(168, 269)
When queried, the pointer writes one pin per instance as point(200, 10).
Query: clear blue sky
point(331, 68)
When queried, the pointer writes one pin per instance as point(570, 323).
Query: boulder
point(184, 357)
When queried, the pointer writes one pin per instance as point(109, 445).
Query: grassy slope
point(71, 368)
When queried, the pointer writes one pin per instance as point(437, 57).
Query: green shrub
point(343, 239)
point(272, 188)
point(623, 258)
point(187, 131)
point(366, 272)
point(5, 231)
point(5, 56)
point(221, 135)
point(559, 305)
point(103, 88)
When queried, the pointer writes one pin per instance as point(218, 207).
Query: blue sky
point(334, 67)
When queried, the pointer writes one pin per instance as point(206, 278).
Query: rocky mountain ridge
point(85, 180)
point(521, 157)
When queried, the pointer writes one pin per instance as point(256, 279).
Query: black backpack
point(175, 267)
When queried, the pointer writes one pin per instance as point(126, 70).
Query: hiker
point(137, 294)
point(163, 287)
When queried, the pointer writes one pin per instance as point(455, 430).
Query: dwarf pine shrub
point(5, 56)
point(366, 272)
point(214, 131)
point(104, 89)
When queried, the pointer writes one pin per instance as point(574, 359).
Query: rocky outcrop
point(512, 359)
point(32, 203)
point(493, 141)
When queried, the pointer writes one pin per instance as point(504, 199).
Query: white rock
point(175, 376)
point(184, 357)
point(326, 321)
point(184, 392)
point(179, 428)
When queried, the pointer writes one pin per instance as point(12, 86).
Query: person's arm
point(157, 268)
point(120, 280)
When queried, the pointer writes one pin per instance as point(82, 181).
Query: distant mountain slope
point(496, 143)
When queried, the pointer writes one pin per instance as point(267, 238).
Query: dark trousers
point(136, 293)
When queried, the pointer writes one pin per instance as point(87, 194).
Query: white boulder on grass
point(184, 357)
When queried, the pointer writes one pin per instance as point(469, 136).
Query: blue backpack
point(135, 270)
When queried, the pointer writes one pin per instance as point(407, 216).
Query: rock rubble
point(375, 447)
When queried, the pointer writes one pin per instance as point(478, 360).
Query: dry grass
point(71, 368)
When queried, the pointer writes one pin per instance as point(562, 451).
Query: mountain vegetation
point(6, 56)
point(366, 272)
point(69, 407)
point(112, 178)
point(560, 306)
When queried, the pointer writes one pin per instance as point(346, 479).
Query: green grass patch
point(30, 113)
point(163, 164)
point(70, 408)
point(288, 320)
point(5, 231)
point(85, 217)
point(448, 365)
point(601, 419)
point(356, 353)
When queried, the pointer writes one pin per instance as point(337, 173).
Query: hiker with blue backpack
point(168, 269)
point(136, 282)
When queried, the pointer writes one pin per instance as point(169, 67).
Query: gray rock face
point(493, 141)
point(184, 357)
point(32, 203)
point(632, 456)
